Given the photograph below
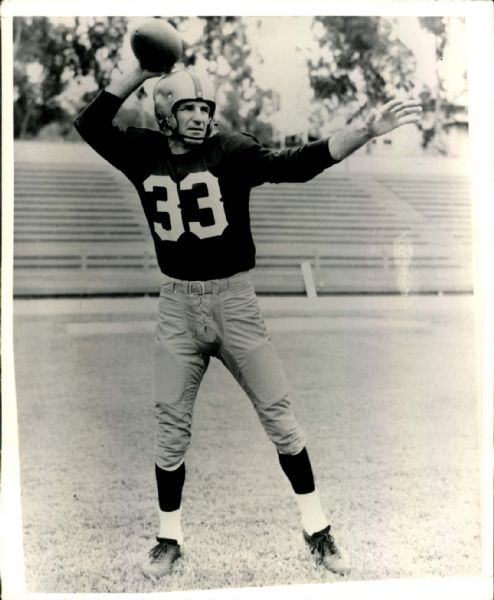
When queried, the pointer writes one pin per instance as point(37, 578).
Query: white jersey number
point(208, 199)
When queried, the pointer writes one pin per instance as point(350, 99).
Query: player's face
point(192, 120)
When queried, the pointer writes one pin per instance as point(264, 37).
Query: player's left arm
point(258, 164)
point(392, 115)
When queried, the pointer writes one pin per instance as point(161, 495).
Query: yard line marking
point(296, 306)
point(280, 324)
point(110, 327)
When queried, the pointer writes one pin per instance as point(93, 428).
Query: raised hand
point(392, 115)
point(125, 81)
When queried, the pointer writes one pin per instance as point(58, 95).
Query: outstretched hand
point(392, 115)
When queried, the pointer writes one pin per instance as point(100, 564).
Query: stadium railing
point(79, 229)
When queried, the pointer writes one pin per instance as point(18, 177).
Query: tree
point(49, 53)
point(360, 62)
point(223, 50)
point(438, 107)
point(52, 55)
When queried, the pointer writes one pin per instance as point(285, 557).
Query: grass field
point(388, 403)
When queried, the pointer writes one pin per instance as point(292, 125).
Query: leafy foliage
point(360, 60)
point(438, 109)
point(223, 49)
point(436, 26)
point(48, 54)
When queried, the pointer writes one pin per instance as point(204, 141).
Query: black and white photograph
point(244, 323)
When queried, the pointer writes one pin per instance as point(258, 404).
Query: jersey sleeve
point(123, 149)
point(257, 164)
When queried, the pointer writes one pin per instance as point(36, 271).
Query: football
point(156, 44)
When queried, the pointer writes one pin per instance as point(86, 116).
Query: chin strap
point(191, 140)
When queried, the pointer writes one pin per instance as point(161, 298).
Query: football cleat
point(327, 551)
point(161, 558)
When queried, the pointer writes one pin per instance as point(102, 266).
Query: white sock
point(171, 525)
point(311, 512)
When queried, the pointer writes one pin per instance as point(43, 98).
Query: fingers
point(395, 106)
point(400, 105)
point(389, 106)
point(408, 120)
point(404, 112)
point(411, 110)
point(150, 74)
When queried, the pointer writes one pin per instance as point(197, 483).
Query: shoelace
point(322, 541)
point(158, 550)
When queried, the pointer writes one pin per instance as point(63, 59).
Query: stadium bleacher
point(79, 229)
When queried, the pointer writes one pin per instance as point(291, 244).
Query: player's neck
point(178, 146)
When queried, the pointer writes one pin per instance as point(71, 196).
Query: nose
point(198, 115)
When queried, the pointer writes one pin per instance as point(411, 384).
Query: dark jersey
point(196, 204)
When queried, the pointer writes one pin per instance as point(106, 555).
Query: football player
point(194, 188)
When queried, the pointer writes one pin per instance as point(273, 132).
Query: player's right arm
point(95, 122)
point(123, 83)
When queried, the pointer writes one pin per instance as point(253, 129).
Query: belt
point(210, 286)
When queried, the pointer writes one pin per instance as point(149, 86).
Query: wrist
point(124, 83)
point(347, 140)
point(369, 127)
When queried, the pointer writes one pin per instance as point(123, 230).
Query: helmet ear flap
point(164, 123)
point(161, 119)
point(209, 128)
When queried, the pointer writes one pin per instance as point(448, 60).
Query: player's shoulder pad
point(236, 141)
point(145, 138)
point(140, 132)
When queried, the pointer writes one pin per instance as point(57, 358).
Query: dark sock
point(170, 485)
point(298, 469)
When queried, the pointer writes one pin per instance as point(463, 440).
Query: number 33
point(211, 200)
